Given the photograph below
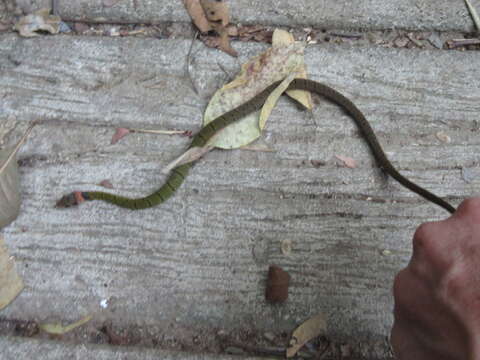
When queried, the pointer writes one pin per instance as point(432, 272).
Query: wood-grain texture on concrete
point(441, 15)
point(202, 257)
point(14, 348)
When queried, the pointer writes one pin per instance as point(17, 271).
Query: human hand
point(437, 296)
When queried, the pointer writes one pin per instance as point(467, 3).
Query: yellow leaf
point(313, 327)
point(258, 73)
point(284, 38)
point(59, 329)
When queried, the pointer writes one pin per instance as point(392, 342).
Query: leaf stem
point(17, 147)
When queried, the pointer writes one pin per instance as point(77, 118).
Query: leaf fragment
point(347, 161)
point(11, 283)
point(473, 13)
point(119, 134)
point(192, 154)
point(41, 20)
point(59, 329)
point(195, 10)
point(310, 329)
point(10, 181)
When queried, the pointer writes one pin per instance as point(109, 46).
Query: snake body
point(178, 174)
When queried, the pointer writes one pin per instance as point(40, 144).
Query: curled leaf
point(195, 10)
point(59, 329)
point(10, 282)
point(313, 327)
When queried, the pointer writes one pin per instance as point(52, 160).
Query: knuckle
point(471, 207)
point(424, 238)
point(453, 285)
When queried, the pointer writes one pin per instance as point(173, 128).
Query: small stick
point(187, 64)
point(345, 35)
point(162, 132)
point(462, 42)
point(17, 147)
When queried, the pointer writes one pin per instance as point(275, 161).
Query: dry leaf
point(41, 20)
point(313, 327)
point(59, 329)
point(347, 161)
point(212, 15)
point(284, 38)
point(10, 282)
point(9, 182)
point(274, 64)
point(119, 133)
point(443, 137)
point(188, 156)
point(216, 11)
point(224, 43)
point(197, 14)
point(286, 247)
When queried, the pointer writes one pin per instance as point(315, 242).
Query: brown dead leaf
point(212, 15)
point(347, 161)
point(10, 282)
point(313, 327)
point(195, 10)
point(224, 43)
point(216, 11)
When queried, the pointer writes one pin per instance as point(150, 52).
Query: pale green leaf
point(11, 283)
point(59, 329)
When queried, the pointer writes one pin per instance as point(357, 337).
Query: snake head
point(72, 199)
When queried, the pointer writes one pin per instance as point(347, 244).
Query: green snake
point(178, 174)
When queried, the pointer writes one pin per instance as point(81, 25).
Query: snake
point(178, 174)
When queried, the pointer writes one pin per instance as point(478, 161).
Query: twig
point(187, 64)
point(162, 132)
point(473, 13)
point(257, 148)
point(345, 35)
point(17, 147)
point(454, 43)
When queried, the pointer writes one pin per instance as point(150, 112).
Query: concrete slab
point(440, 15)
point(14, 348)
point(200, 260)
